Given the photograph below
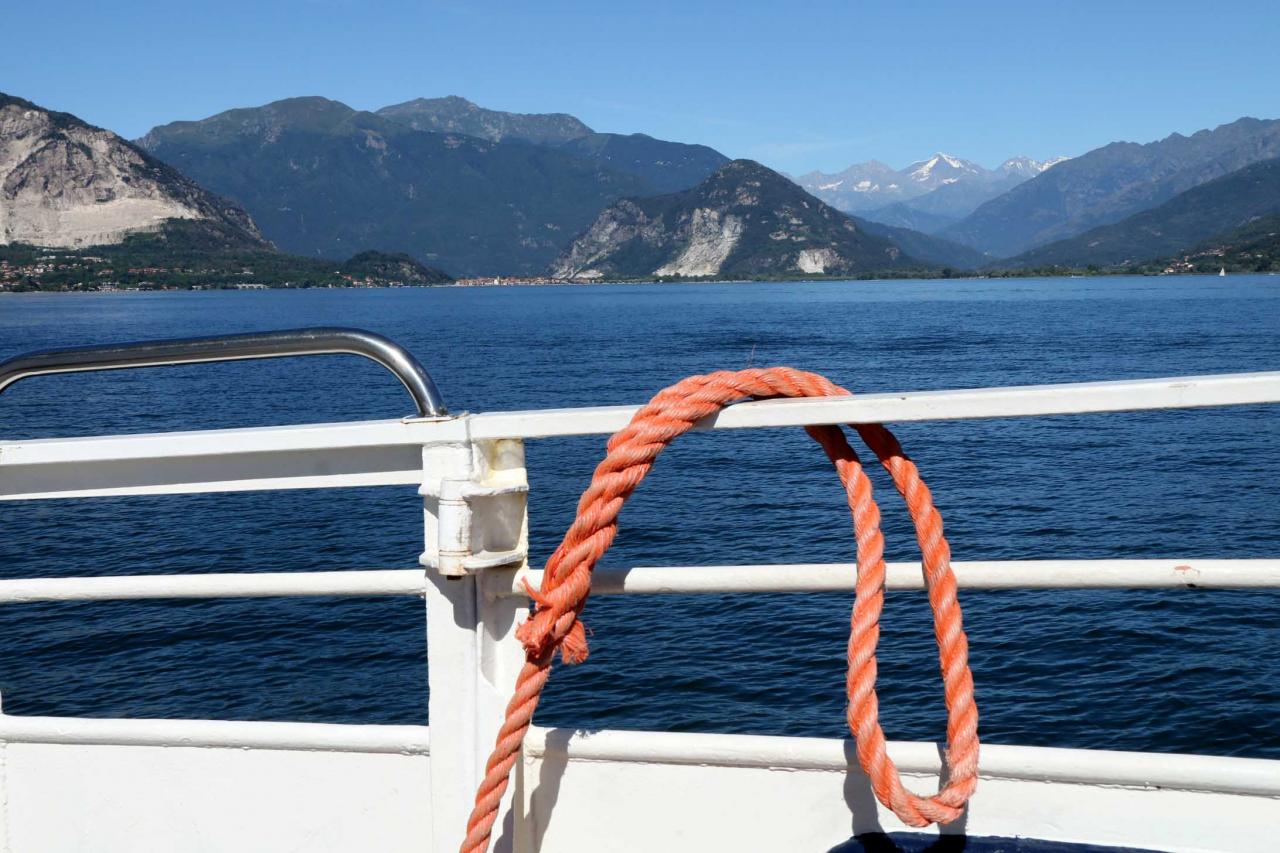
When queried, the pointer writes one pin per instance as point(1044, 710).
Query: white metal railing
point(471, 478)
point(218, 734)
point(672, 580)
point(1035, 764)
point(367, 582)
point(388, 452)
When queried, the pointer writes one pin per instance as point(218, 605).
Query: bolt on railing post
point(475, 536)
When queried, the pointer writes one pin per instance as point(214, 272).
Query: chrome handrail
point(314, 341)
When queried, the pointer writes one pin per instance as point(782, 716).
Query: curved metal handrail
point(315, 341)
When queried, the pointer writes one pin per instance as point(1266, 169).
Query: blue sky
point(795, 85)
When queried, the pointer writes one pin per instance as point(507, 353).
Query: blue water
point(1161, 670)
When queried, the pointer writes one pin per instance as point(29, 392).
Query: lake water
point(1160, 670)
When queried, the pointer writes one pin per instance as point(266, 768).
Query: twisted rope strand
point(566, 584)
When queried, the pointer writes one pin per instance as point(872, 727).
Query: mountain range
point(120, 216)
point(927, 195)
point(1109, 184)
point(326, 180)
point(483, 192)
point(1219, 206)
point(665, 166)
point(747, 221)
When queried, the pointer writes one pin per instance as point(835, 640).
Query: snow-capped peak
point(931, 170)
point(873, 185)
point(1027, 167)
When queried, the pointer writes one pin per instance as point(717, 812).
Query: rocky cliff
point(68, 184)
point(745, 220)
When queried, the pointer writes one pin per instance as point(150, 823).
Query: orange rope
point(566, 584)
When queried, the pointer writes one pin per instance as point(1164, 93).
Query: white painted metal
point(371, 582)
point(453, 678)
point(129, 785)
point(481, 515)
point(474, 500)
point(1252, 776)
point(371, 453)
point(159, 799)
point(636, 791)
point(452, 621)
point(1177, 392)
point(1182, 392)
point(353, 435)
point(992, 574)
point(648, 580)
point(387, 452)
point(500, 657)
point(217, 734)
point(213, 472)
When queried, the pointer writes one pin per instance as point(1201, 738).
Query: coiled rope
point(566, 583)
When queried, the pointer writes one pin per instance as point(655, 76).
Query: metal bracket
point(479, 507)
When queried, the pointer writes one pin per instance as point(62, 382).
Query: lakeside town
point(45, 270)
point(71, 272)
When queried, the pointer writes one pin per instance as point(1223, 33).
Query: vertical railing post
point(476, 534)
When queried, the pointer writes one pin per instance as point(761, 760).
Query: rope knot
point(553, 625)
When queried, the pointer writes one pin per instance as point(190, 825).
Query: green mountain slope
point(1253, 248)
point(1111, 183)
point(186, 253)
point(325, 180)
point(934, 251)
point(1183, 222)
point(666, 166)
point(902, 215)
point(458, 115)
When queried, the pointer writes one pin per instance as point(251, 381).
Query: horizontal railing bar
point(1182, 392)
point(1013, 401)
point(990, 574)
point(214, 734)
point(1252, 776)
point(382, 453)
point(290, 438)
point(651, 580)
point(372, 582)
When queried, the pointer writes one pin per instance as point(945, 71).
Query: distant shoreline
point(618, 282)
